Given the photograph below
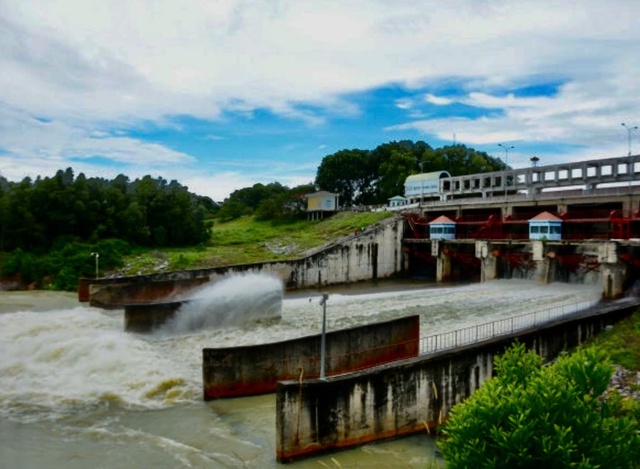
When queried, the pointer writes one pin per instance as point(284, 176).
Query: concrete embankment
point(256, 369)
point(410, 396)
point(147, 317)
point(373, 254)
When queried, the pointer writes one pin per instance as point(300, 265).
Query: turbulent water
point(76, 391)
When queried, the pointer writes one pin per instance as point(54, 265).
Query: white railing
point(500, 327)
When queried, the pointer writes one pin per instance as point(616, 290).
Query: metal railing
point(500, 327)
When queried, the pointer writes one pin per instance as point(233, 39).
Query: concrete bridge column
point(489, 266)
point(545, 262)
point(628, 207)
point(613, 277)
point(562, 208)
point(614, 272)
point(443, 265)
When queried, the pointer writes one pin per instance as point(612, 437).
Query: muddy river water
point(78, 392)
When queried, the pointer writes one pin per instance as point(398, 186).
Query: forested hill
point(53, 228)
point(38, 215)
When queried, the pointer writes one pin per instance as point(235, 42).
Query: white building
point(397, 201)
point(321, 202)
point(424, 186)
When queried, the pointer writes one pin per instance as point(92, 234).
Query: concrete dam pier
point(231, 302)
point(413, 395)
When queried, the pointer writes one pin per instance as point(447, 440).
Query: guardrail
point(500, 327)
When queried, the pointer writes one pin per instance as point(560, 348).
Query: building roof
point(427, 176)
point(319, 194)
point(441, 220)
point(397, 197)
point(545, 216)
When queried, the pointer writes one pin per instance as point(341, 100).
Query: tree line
point(50, 225)
point(38, 215)
point(372, 177)
point(359, 177)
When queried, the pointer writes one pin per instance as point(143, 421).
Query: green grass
point(622, 342)
point(246, 240)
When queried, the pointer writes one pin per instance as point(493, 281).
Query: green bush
point(64, 265)
point(532, 416)
point(24, 264)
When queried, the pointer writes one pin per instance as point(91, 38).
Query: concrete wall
point(402, 398)
point(147, 317)
point(118, 295)
point(250, 370)
point(374, 254)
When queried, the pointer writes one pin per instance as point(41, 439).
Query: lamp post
point(97, 256)
point(629, 130)
point(506, 163)
point(534, 161)
point(323, 342)
point(421, 184)
point(506, 152)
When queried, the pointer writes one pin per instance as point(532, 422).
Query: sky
point(221, 95)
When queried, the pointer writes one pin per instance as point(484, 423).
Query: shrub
point(533, 416)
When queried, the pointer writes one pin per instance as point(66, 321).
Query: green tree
point(247, 201)
point(531, 416)
point(459, 160)
point(372, 177)
point(347, 173)
point(290, 204)
point(396, 161)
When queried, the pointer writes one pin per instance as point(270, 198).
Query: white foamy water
point(233, 301)
point(55, 362)
point(72, 376)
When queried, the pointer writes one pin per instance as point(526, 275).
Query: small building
point(545, 226)
point(442, 228)
point(397, 201)
point(320, 203)
point(422, 186)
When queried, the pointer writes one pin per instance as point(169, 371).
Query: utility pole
point(323, 343)
point(97, 256)
point(629, 130)
point(506, 163)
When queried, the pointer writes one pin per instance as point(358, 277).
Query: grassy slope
point(622, 342)
point(247, 240)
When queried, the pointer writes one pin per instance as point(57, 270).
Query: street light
point(323, 343)
point(629, 130)
point(506, 163)
point(421, 184)
point(534, 161)
point(97, 256)
point(506, 152)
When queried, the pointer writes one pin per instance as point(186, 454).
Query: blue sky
point(221, 95)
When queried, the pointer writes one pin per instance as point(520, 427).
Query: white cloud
point(404, 103)
point(92, 70)
point(437, 100)
point(123, 60)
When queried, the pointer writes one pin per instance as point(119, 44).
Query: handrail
point(500, 327)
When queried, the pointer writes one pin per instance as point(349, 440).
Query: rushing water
point(78, 392)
